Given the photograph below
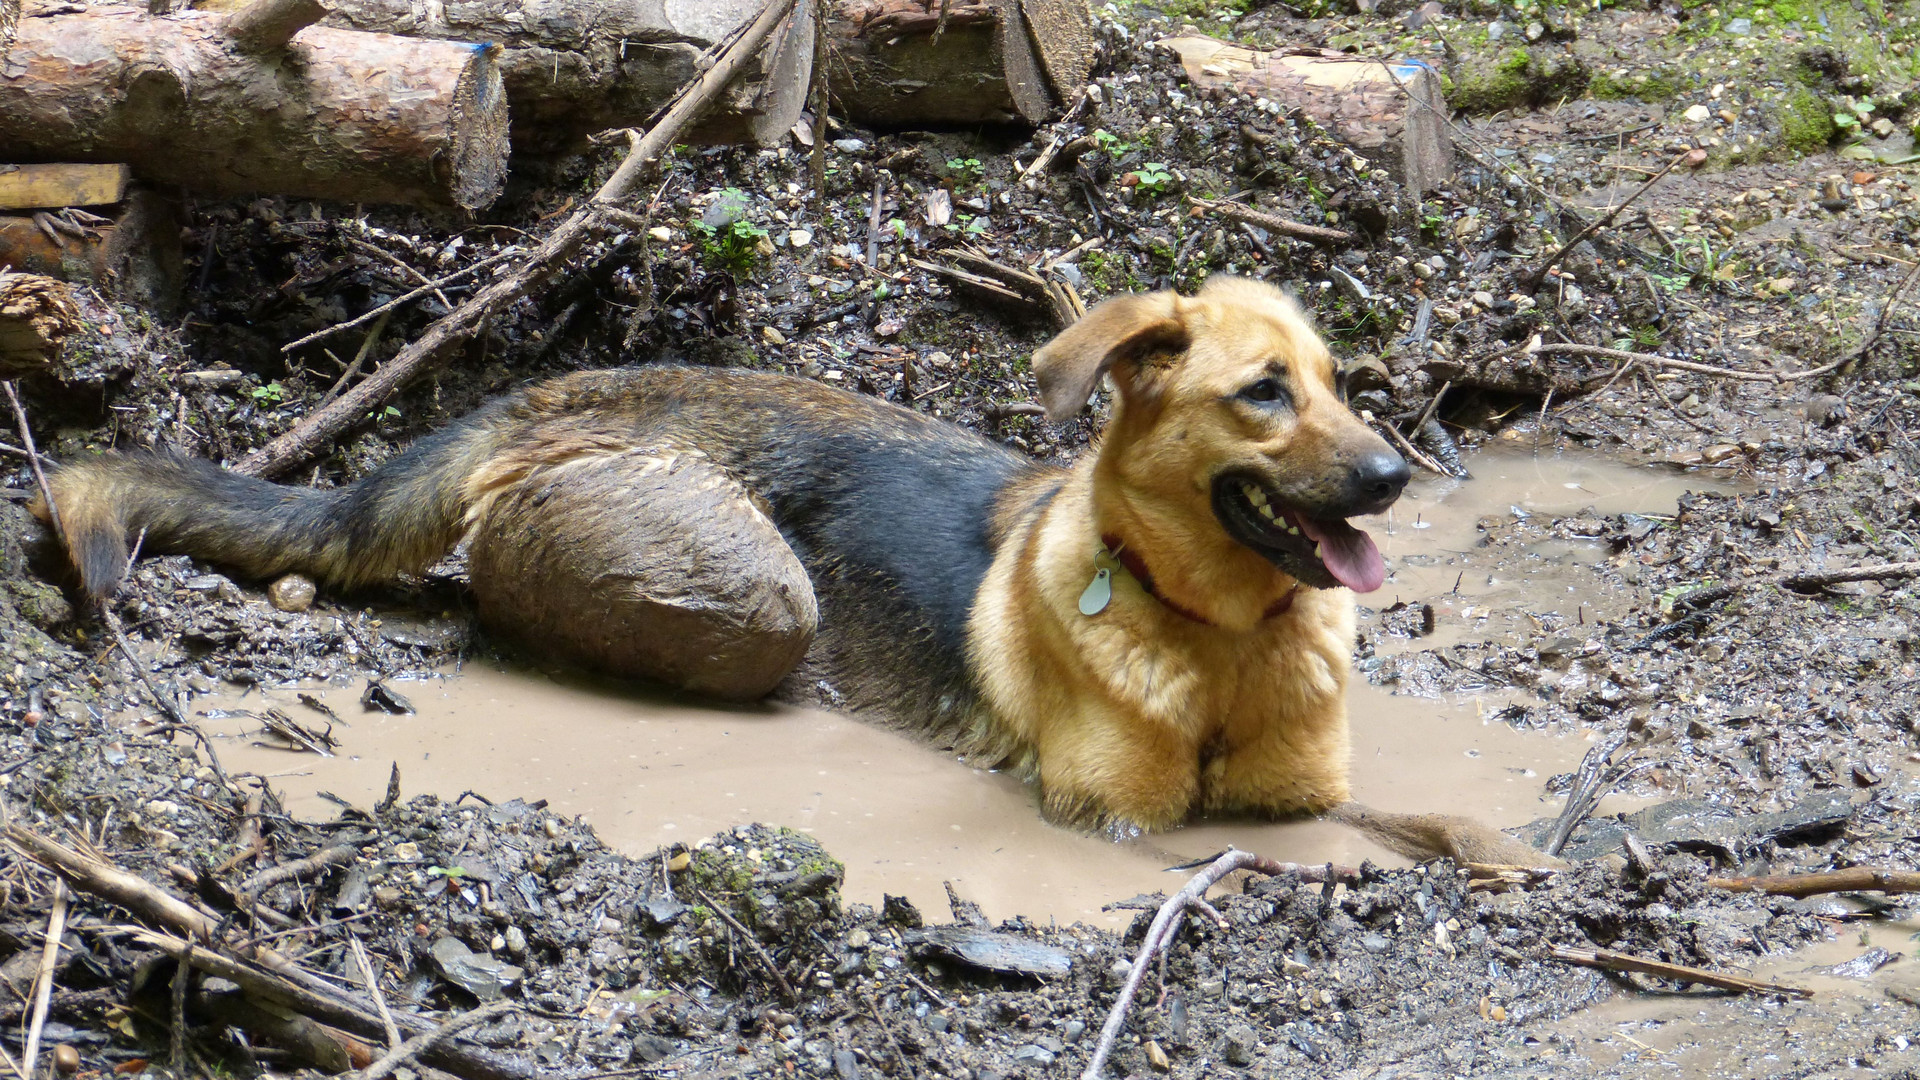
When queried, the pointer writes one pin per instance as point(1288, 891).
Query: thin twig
point(1607, 960)
point(753, 945)
point(1820, 579)
point(1413, 452)
point(420, 1044)
point(1533, 280)
point(1166, 923)
point(1318, 234)
point(33, 457)
point(373, 989)
point(43, 982)
point(298, 868)
point(433, 286)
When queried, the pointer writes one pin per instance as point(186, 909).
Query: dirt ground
point(1764, 727)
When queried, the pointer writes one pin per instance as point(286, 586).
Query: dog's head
point(1230, 409)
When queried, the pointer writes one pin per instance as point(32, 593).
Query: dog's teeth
point(1266, 511)
point(1254, 495)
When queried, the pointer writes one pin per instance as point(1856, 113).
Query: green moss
point(1490, 86)
point(1806, 122)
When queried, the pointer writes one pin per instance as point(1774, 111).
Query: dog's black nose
point(1378, 477)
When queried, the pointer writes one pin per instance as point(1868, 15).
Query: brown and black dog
point(1162, 631)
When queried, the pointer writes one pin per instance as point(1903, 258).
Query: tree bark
point(994, 61)
point(36, 313)
point(576, 67)
point(333, 114)
point(1391, 112)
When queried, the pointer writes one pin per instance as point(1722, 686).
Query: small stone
point(292, 593)
point(1740, 27)
point(1697, 157)
point(1241, 1041)
point(1497, 1014)
point(849, 146)
point(773, 335)
point(1883, 127)
point(1697, 114)
point(516, 941)
point(1157, 1057)
point(66, 1060)
point(679, 862)
point(1483, 298)
point(660, 233)
point(1070, 1034)
point(1035, 1053)
point(407, 852)
point(859, 939)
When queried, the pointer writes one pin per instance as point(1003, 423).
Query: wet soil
point(1535, 611)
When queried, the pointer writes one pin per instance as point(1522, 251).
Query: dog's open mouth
point(1321, 552)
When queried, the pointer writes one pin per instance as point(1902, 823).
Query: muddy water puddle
point(1866, 968)
point(1432, 542)
point(648, 770)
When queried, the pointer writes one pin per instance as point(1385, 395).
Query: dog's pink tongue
point(1348, 553)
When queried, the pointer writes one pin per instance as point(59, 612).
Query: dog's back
point(892, 513)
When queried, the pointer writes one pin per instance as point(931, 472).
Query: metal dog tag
point(1099, 593)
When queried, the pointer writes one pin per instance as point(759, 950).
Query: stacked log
point(576, 67)
point(236, 104)
point(909, 63)
point(1391, 112)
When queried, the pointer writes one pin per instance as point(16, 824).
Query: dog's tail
point(403, 517)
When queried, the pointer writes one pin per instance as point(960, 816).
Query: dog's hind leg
point(1436, 836)
point(641, 562)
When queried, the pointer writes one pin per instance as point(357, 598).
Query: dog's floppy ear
point(1118, 330)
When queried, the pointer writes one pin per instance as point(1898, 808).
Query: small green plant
point(269, 395)
point(1857, 114)
point(1108, 143)
point(1155, 179)
point(965, 170)
point(734, 247)
point(968, 224)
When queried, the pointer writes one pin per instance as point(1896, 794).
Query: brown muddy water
point(648, 770)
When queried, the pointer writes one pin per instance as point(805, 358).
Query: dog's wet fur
point(949, 569)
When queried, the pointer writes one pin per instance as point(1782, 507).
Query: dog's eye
point(1265, 390)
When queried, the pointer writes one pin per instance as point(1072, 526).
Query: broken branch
point(1607, 960)
point(1318, 234)
point(1851, 879)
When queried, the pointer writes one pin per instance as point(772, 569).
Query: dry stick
point(1880, 324)
point(359, 358)
point(1607, 960)
point(420, 1044)
point(1167, 923)
point(1852, 879)
point(1533, 280)
point(1820, 579)
point(19, 1069)
point(298, 868)
point(43, 983)
point(471, 318)
point(33, 457)
point(1622, 355)
point(1418, 458)
point(1318, 234)
point(433, 286)
point(373, 988)
point(753, 945)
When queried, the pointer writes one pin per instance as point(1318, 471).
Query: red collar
point(1137, 566)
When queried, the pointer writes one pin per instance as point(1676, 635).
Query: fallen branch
point(553, 253)
point(1167, 923)
point(1413, 453)
point(33, 456)
point(1607, 960)
point(1820, 579)
point(1852, 879)
point(1318, 234)
point(430, 287)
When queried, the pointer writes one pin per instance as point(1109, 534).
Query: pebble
point(66, 1060)
point(800, 238)
point(1697, 114)
point(1157, 1057)
point(294, 592)
point(773, 335)
point(660, 233)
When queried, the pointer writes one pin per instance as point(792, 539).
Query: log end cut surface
point(480, 121)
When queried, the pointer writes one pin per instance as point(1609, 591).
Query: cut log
point(576, 67)
point(29, 187)
point(36, 314)
point(995, 61)
point(333, 114)
point(1392, 113)
point(130, 252)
